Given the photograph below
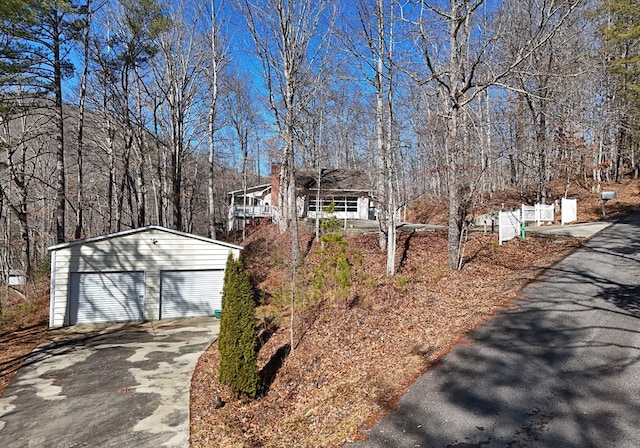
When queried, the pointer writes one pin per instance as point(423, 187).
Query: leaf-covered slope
point(355, 356)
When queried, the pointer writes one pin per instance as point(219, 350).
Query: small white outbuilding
point(148, 273)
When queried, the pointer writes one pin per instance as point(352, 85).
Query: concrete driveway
point(116, 386)
point(562, 369)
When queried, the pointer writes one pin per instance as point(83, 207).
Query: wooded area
point(122, 113)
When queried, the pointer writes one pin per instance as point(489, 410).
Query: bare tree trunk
point(371, 40)
point(176, 184)
point(242, 138)
point(318, 206)
point(383, 216)
point(22, 214)
point(290, 212)
point(211, 174)
point(158, 183)
point(80, 142)
point(119, 199)
point(61, 189)
point(139, 148)
point(454, 183)
point(5, 259)
point(112, 211)
point(390, 172)
point(217, 57)
point(621, 140)
point(457, 40)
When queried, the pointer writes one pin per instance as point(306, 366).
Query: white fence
point(510, 225)
point(511, 222)
point(569, 210)
point(538, 213)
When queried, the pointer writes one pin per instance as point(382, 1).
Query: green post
point(522, 225)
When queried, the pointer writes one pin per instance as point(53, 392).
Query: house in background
point(249, 205)
point(348, 190)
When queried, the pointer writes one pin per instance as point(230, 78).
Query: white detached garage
point(141, 274)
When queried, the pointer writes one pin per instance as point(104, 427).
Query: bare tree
point(25, 130)
point(376, 54)
point(131, 29)
point(371, 40)
point(241, 114)
point(461, 65)
point(104, 91)
point(619, 52)
point(179, 73)
point(286, 38)
point(288, 44)
point(218, 59)
point(84, 40)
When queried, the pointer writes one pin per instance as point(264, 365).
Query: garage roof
point(141, 230)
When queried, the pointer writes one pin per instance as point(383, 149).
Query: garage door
point(106, 297)
point(190, 293)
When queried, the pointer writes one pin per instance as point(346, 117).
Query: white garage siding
point(151, 250)
point(106, 297)
point(190, 293)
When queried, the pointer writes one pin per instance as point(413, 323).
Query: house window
point(342, 203)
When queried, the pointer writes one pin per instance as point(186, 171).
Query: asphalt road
point(562, 369)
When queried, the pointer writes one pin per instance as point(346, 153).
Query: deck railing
point(252, 211)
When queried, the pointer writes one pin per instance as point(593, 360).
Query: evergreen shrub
point(238, 338)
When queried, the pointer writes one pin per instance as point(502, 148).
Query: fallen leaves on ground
point(24, 322)
point(354, 357)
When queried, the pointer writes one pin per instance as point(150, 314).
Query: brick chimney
point(275, 184)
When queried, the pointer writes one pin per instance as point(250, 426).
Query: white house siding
point(149, 250)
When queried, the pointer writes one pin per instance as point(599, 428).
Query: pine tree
point(15, 18)
point(622, 43)
point(237, 342)
point(621, 51)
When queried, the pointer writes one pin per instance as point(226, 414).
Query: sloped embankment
point(356, 353)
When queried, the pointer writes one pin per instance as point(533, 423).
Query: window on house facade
point(342, 203)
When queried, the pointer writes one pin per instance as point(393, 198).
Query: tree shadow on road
point(559, 370)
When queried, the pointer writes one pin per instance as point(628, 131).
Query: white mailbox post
point(607, 196)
